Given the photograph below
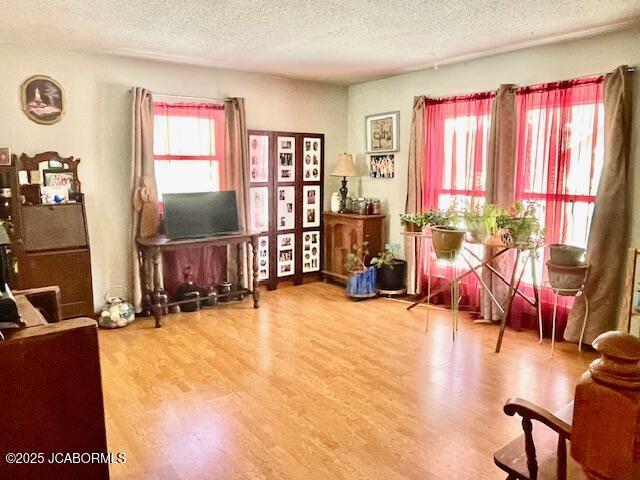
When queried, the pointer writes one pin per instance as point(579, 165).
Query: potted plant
point(447, 238)
point(416, 222)
point(521, 226)
point(481, 220)
point(567, 279)
point(410, 222)
point(566, 255)
point(361, 282)
point(392, 272)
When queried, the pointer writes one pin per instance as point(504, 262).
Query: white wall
point(534, 65)
point(97, 126)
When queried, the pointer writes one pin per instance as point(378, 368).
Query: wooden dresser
point(55, 251)
point(344, 230)
point(50, 242)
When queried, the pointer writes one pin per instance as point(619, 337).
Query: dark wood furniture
point(50, 243)
point(341, 232)
point(150, 252)
point(290, 247)
point(51, 391)
point(541, 452)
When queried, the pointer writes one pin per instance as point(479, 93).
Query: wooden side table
point(341, 232)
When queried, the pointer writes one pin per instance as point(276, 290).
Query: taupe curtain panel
point(500, 187)
point(413, 246)
point(143, 181)
point(609, 236)
point(237, 174)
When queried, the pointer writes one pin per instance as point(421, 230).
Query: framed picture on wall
point(42, 99)
point(382, 132)
point(381, 166)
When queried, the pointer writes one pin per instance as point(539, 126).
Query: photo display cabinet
point(286, 172)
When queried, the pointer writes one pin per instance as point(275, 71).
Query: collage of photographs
point(259, 158)
point(275, 160)
point(286, 258)
point(286, 208)
point(312, 156)
point(311, 254)
point(286, 157)
point(263, 257)
point(311, 206)
point(259, 207)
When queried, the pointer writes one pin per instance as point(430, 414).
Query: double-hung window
point(188, 147)
point(457, 139)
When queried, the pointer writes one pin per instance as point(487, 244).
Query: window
point(560, 155)
point(188, 146)
point(457, 146)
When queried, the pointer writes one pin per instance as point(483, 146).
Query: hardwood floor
point(315, 386)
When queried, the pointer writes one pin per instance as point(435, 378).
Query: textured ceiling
point(329, 40)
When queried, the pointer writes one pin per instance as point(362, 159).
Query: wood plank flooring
point(315, 386)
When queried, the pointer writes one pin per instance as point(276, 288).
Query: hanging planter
point(568, 279)
point(447, 242)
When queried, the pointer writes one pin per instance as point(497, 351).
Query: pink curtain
point(457, 143)
point(559, 158)
point(190, 143)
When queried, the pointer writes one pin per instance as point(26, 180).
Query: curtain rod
point(167, 95)
point(516, 87)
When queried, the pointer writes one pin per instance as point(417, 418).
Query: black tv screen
point(202, 214)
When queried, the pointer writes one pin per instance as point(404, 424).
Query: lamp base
point(343, 196)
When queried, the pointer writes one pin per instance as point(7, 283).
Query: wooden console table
point(150, 251)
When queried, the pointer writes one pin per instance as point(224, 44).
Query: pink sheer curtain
point(189, 154)
point(457, 142)
point(560, 155)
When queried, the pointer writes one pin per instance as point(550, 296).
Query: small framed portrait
point(382, 132)
point(43, 99)
point(381, 166)
point(5, 156)
point(58, 178)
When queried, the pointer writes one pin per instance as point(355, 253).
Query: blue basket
point(362, 284)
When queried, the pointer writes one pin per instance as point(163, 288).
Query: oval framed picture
point(43, 99)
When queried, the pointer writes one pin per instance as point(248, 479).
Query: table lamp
point(344, 168)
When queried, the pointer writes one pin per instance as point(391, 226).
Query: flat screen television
point(202, 214)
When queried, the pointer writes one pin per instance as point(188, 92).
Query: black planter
point(393, 277)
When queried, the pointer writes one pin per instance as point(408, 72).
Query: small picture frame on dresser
point(5, 156)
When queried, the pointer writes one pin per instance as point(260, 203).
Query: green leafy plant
point(482, 219)
point(448, 218)
point(355, 258)
point(521, 225)
point(387, 257)
point(421, 220)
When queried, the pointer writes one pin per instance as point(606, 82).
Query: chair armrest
point(45, 299)
point(531, 411)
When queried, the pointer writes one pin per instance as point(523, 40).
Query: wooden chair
point(540, 453)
